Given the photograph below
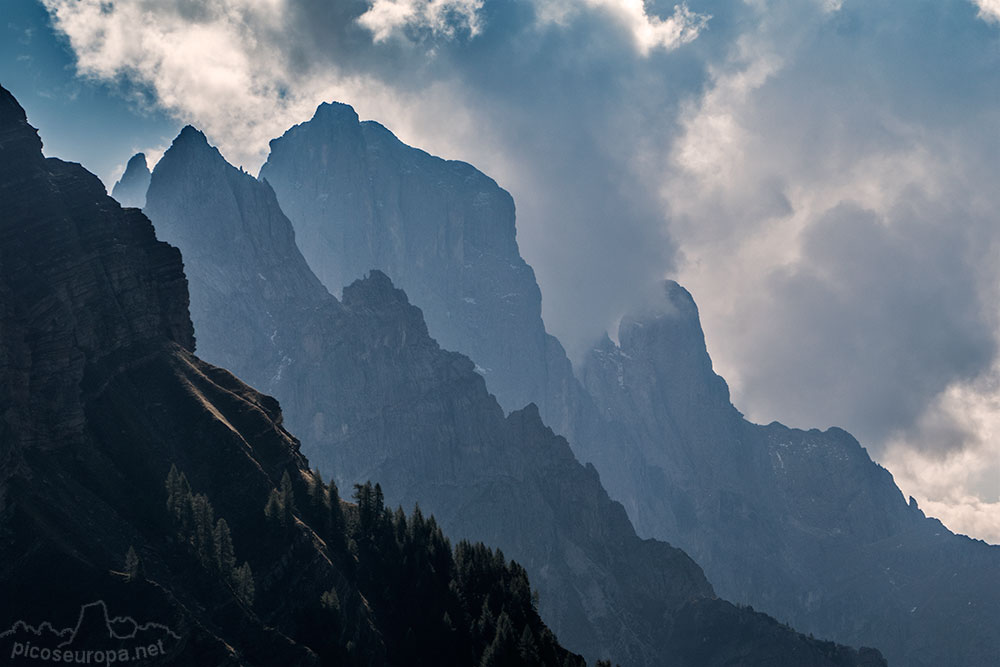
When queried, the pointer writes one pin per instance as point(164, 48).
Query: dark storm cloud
point(898, 297)
point(878, 125)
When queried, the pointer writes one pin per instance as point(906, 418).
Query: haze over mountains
point(137, 478)
point(381, 400)
point(657, 423)
point(800, 524)
point(817, 176)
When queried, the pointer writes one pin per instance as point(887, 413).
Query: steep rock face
point(106, 397)
point(513, 482)
point(427, 428)
point(130, 190)
point(802, 524)
point(240, 257)
point(375, 398)
point(444, 232)
point(130, 293)
point(663, 433)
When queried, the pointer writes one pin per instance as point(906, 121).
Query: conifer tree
point(204, 527)
point(287, 498)
point(527, 650)
point(486, 625)
point(225, 556)
point(243, 583)
point(330, 601)
point(502, 651)
point(274, 509)
point(338, 528)
point(371, 509)
point(132, 564)
point(179, 497)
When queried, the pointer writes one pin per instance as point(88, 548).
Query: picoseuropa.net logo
point(97, 639)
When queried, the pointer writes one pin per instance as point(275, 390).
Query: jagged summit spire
point(189, 142)
point(191, 133)
point(137, 161)
point(130, 190)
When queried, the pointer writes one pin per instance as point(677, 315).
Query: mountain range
point(801, 524)
point(138, 473)
point(378, 399)
point(138, 478)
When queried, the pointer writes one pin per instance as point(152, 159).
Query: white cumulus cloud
point(989, 10)
point(648, 31)
point(442, 17)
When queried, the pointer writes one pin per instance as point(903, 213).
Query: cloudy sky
point(821, 174)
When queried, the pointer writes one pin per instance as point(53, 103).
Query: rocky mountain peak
point(223, 206)
point(130, 190)
point(188, 143)
point(191, 135)
point(334, 121)
point(530, 415)
point(137, 163)
point(666, 337)
point(239, 249)
point(443, 231)
point(673, 313)
point(801, 523)
point(336, 112)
